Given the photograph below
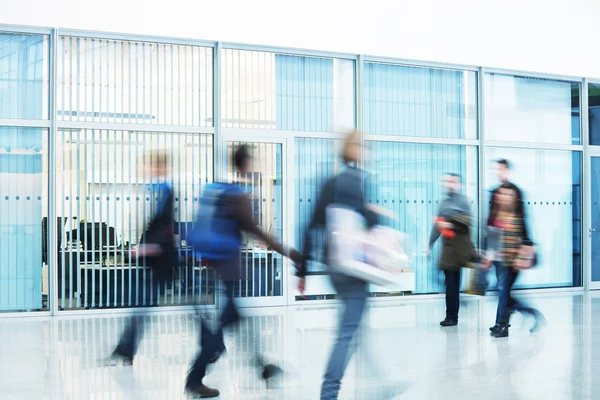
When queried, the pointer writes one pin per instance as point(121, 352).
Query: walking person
point(516, 253)
point(503, 168)
point(345, 190)
point(219, 240)
point(157, 251)
point(454, 220)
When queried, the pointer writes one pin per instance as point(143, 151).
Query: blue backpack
point(216, 236)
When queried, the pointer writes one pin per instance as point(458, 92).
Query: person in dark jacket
point(235, 206)
point(345, 189)
point(157, 251)
point(457, 250)
point(515, 253)
point(503, 167)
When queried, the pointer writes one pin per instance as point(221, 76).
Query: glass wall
point(285, 92)
point(117, 101)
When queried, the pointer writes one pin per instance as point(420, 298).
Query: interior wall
point(531, 35)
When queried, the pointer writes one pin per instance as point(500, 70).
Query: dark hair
point(454, 175)
point(503, 161)
point(514, 188)
point(240, 156)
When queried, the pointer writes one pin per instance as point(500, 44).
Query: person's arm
point(525, 234)
point(435, 232)
point(318, 220)
point(243, 213)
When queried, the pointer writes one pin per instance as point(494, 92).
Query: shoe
point(118, 357)
point(270, 373)
point(495, 328)
point(540, 322)
point(502, 332)
point(449, 322)
point(202, 391)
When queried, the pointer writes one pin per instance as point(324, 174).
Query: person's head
point(353, 148)
point(502, 169)
point(451, 182)
point(507, 196)
point(159, 162)
point(242, 159)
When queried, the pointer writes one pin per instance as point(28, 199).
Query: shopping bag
point(374, 255)
point(478, 281)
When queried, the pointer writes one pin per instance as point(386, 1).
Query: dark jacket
point(345, 189)
point(520, 212)
point(160, 231)
point(237, 207)
point(457, 252)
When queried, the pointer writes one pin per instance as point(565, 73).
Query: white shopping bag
point(376, 255)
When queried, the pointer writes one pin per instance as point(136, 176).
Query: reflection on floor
point(403, 354)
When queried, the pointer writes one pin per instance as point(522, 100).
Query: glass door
point(261, 269)
point(594, 231)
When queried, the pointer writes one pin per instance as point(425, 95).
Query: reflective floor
point(402, 353)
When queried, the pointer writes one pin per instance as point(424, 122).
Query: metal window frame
point(220, 134)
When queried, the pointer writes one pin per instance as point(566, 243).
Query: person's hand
point(444, 225)
point(486, 264)
point(301, 285)
point(148, 250)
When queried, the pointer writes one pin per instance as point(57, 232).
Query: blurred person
point(516, 253)
point(157, 251)
point(454, 215)
point(232, 211)
point(346, 190)
point(503, 168)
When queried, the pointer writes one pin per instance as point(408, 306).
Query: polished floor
point(402, 354)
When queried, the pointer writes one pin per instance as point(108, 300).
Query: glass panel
point(425, 102)
point(406, 178)
point(134, 82)
point(261, 268)
point(23, 76)
point(106, 196)
point(594, 113)
point(531, 110)
point(551, 185)
point(23, 219)
point(316, 160)
point(276, 91)
point(595, 220)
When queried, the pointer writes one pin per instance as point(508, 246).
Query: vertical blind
point(128, 82)
point(106, 197)
point(414, 101)
point(406, 179)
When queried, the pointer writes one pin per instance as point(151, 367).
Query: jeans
point(132, 335)
point(506, 303)
point(452, 294)
point(353, 294)
point(212, 343)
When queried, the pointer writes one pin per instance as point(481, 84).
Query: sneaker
point(118, 357)
point(502, 332)
point(202, 391)
point(540, 322)
point(449, 322)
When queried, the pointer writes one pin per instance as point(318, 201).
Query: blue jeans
point(353, 294)
point(506, 303)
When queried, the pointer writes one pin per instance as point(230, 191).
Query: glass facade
point(75, 142)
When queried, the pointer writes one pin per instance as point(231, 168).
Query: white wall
point(554, 36)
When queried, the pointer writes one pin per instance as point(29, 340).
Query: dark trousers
point(132, 335)
point(452, 294)
point(212, 343)
point(506, 303)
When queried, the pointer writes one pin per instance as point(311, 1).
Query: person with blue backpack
point(225, 212)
